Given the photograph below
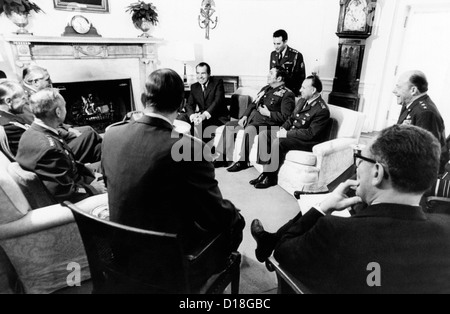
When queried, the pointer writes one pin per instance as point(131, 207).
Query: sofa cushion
point(14, 205)
point(301, 157)
point(31, 186)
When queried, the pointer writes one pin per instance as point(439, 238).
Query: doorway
point(425, 45)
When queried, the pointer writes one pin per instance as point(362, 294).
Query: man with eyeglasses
point(84, 141)
point(411, 249)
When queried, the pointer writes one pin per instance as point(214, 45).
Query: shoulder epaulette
point(423, 105)
point(51, 142)
point(119, 123)
point(281, 92)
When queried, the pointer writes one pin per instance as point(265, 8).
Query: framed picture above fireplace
point(95, 6)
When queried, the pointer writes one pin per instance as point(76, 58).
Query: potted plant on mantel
point(18, 11)
point(144, 16)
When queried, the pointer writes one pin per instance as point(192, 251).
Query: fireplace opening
point(97, 103)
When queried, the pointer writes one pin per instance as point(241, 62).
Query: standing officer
point(306, 127)
point(418, 109)
point(290, 59)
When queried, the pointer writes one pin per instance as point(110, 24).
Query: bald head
point(410, 85)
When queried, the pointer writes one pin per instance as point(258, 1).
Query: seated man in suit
point(271, 108)
point(12, 102)
point(206, 103)
point(160, 190)
point(409, 249)
point(306, 127)
point(85, 143)
point(44, 152)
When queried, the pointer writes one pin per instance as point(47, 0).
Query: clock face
point(80, 24)
point(356, 16)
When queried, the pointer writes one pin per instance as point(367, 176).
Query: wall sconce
point(205, 19)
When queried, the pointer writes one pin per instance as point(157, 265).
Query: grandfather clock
point(354, 27)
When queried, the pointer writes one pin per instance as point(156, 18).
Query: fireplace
point(111, 69)
point(97, 103)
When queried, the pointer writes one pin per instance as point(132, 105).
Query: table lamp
point(184, 51)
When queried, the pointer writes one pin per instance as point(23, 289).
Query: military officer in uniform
point(290, 59)
point(12, 102)
point(43, 151)
point(418, 109)
point(84, 141)
point(306, 127)
point(273, 105)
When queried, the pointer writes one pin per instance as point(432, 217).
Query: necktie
point(403, 109)
point(280, 57)
point(204, 89)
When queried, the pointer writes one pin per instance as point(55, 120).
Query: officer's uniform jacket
point(280, 101)
point(309, 122)
point(43, 152)
point(424, 113)
point(294, 64)
point(14, 127)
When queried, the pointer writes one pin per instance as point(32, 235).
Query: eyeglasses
point(45, 78)
point(359, 156)
point(373, 161)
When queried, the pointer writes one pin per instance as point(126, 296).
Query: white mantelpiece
point(82, 59)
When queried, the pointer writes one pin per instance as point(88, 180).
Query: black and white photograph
point(244, 148)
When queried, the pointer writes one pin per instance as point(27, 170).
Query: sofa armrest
point(45, 218)
point(334, 158)
point(335, 146)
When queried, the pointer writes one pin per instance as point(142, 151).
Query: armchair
point(313, 171)
point(39, 239)
point(125, 259)
point(287, 284)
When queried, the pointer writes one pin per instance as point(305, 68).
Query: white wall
point(242, 41)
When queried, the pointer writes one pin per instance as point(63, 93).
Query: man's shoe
point(221, 164)
point(267, 182)
point(265, 242)
point(258, 179)
point(239, 166)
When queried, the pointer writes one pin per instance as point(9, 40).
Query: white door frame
point(402, 11)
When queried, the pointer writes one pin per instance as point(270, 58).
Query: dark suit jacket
point(280, 101)
point(151, 186)
point(331, 254)
point(424, 113)
point(213, 101)
point(14, 127)
point(45, 153)
point(294, 64)
point(309, 122)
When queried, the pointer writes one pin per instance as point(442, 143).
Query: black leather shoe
point(267, 182)
point(258, 179)
point(239, 166)
point(265, 242)
point(221, 164)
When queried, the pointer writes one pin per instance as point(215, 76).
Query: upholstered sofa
point(312, 171)
point(37, 240)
